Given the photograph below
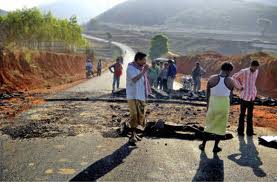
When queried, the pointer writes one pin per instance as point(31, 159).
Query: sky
point(19, 4)
point(83, 9)
point(10, 5)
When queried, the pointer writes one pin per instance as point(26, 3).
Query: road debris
point(268, 141)
point(187, 95)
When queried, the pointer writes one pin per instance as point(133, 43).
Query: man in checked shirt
point(246, 81)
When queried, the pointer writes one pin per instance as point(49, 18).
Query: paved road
point(104, 83)
point(92, 157)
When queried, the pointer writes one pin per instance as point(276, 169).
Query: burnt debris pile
point(187, 95)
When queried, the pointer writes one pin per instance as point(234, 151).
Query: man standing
point(117, 72)
point(219, 88)
point(137, 89)
point(246, 81)
point(99, 67)
point(197, 73)
point(153, 74)
point(171, 74)
point(89, 68)
point(163, 77)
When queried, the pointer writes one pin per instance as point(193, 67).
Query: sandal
point(201, 147)
point(217, 149)
point(132, 142)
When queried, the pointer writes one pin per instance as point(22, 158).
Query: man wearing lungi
point(219, 88)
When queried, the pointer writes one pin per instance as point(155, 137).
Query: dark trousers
point(116, 82)
point(249, 106)
point(164, 85)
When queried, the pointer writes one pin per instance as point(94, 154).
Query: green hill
point(236, 15)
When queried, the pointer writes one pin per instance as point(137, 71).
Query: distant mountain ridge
point(83, 10)
point(240, 15)
point(269, 2)
point(3, 12)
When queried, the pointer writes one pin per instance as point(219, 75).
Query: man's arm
point(110, 68)
point(192, 71)
point(137, 77)
point(174, 71)
point(208, 93)
point(234, 85)
point(237, 77)
point(203, 71)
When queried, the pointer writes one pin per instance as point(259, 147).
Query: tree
point(30, 28)
point(3, 31)
point(264, 25)
point(109, 36)
point(92, 25)
point(159, 46)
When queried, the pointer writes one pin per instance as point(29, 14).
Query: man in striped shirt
point(246, 81)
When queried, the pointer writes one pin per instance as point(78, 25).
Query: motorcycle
point(89, 74)
point(187, 83)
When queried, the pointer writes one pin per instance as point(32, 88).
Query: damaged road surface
point(87, 141)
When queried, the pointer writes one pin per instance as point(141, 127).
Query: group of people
point(116, 69)
point(159, 75)
point(219, 89)
point(141, 78)
point(90, 68)
point(162, 75)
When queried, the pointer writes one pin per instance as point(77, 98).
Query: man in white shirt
point(137, 89)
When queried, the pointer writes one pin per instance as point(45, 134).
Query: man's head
point(119, 59)
point(197, 64)
point(140, 58)
point(154, 63)
point(254, 65)
point(227, 67)
point(166, 65)
point(170, 61)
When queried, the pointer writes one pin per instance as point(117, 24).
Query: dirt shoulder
point(26, 77)
point(211, 62)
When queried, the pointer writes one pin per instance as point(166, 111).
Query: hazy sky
point(18, 4)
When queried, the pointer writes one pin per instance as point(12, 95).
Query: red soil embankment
point(20, 71)
point(211, 61)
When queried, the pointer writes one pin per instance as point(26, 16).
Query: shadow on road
point(249, 156)
point(209, 169)
point(104, 165)
point(160, 129)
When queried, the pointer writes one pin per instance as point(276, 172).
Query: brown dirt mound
point(211, 61)
point(39, 70)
